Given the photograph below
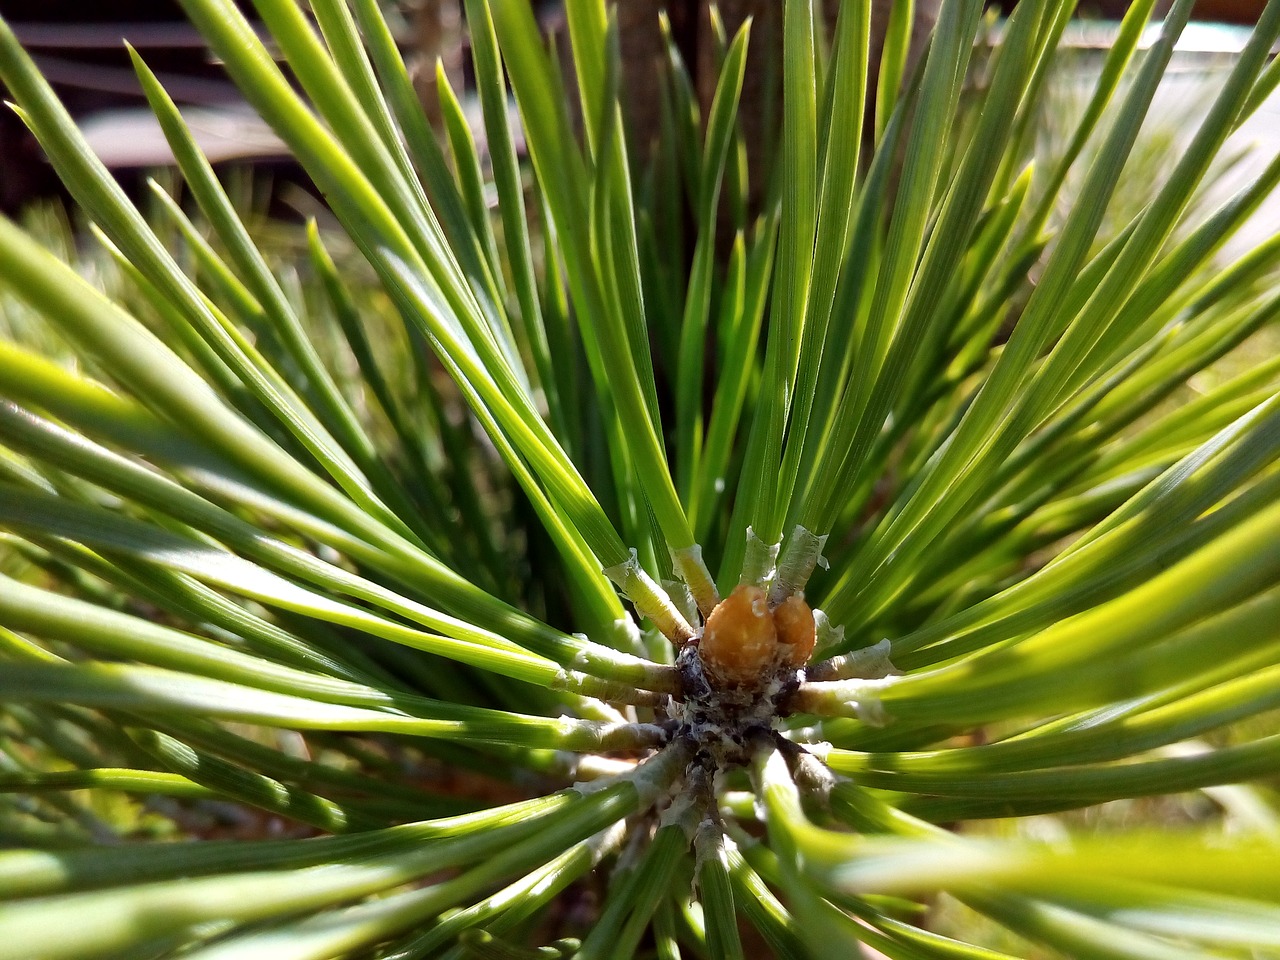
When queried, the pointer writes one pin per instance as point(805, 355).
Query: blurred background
point(79, 46)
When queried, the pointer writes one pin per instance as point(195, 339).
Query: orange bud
point(740, 640)
point(797, 633)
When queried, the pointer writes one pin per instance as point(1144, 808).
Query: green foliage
point(372, 560)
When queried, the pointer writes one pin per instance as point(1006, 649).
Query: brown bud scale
point(745, 642)
point(797, 633)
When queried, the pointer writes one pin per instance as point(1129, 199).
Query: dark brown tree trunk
point(642, 52)
point(437, 33)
